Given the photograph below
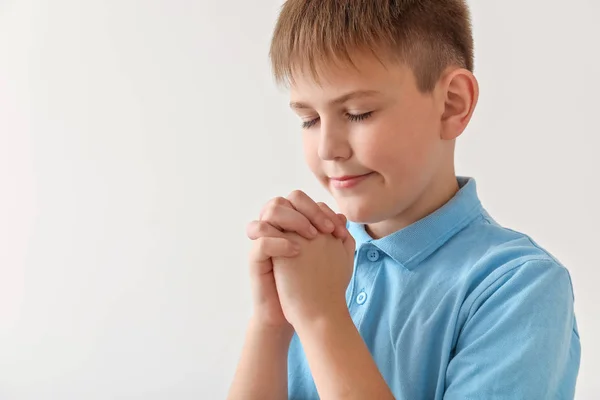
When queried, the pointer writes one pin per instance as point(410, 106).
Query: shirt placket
point(367, 263)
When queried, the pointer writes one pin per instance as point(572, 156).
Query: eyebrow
point(339, 100)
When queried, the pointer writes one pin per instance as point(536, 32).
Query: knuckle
point(262, 227)
point(289, 246)
point(279, 201)
point(324, 207)
point(268, 213)
point(296, 195)
point(270, 205)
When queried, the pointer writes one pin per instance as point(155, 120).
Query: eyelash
point(351, 117)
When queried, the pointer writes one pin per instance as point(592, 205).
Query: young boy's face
point(372, 138)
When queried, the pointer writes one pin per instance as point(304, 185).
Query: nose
point(333, 142)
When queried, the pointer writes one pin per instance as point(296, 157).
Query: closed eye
point(309, 124)
point(351, 117)
point(358, 117)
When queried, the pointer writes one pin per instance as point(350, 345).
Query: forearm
point(262, 370)
point(340, 362)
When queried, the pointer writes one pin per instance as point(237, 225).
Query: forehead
point(331, 79)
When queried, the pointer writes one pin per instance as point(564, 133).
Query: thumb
point(349, 245)
point(348, 237)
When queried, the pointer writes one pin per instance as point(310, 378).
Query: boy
point(421, 294)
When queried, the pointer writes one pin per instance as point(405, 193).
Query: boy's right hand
point(297, 213)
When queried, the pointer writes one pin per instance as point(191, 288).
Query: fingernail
point(329, 225)
point(313, 231)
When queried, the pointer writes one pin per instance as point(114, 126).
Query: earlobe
point(462, 94)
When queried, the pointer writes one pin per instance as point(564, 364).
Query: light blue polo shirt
point(456, 306)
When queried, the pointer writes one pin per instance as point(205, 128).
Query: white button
point(361, 298)
point(373, 255)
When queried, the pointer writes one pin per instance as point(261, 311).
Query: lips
point(346, 177)
point(348, 181)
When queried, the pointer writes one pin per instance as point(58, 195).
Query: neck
point(438, 192)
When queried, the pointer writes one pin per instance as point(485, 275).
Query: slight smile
point(348, 181)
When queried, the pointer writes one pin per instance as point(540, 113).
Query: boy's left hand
point(312, 285)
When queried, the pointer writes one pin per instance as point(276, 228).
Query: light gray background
point(137, 139)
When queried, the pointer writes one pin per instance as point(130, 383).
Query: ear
point(460, 91)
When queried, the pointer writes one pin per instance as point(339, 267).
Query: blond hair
point(427, 35)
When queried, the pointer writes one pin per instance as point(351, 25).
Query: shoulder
point(507, 263)
point(491, 246)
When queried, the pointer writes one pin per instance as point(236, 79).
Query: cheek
point(311, 155)
point(399, 146)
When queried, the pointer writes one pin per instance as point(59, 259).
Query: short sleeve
point(519, 340)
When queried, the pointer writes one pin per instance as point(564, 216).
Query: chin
point(361, 211)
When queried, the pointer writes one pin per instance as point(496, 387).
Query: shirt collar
point(411, 245)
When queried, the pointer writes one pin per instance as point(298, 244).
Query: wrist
point(268, 320)
point(278, 333)
point(331, 319)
